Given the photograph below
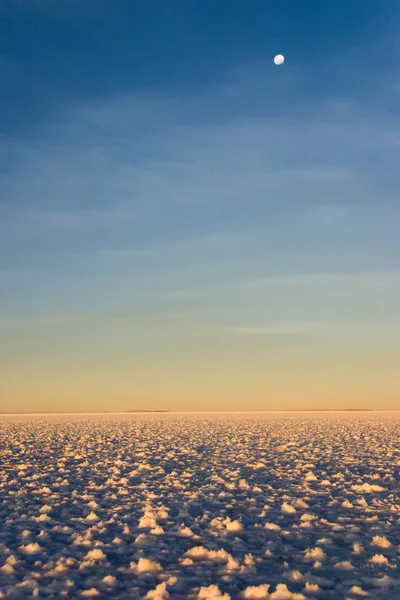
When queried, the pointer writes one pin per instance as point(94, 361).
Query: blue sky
point(176, 208)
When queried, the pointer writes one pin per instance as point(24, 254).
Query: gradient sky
point(186, 226)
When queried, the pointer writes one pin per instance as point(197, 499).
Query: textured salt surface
point(279, 506)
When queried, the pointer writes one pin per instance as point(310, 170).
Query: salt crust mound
point(164, 507)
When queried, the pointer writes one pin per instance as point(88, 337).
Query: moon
point(279, 59)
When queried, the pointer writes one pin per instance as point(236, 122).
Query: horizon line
point(126, 412)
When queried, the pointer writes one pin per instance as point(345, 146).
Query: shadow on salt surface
point(126, 506)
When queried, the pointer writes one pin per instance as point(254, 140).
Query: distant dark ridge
point(330, 410)
point(147, 411)
point(194, 411)
point(77, 412)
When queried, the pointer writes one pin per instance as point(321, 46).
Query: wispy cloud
point(129, 167)
point(141, 152)
point(332, 211)
point(307, 329)
point(138, 187)
point(383, 333)
point(324, 174)
point(383, 279)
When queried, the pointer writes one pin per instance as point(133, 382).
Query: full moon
point(279, 59)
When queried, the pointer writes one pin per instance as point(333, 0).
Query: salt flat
point(279, 506)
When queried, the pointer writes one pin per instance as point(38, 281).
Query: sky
point(185, 225)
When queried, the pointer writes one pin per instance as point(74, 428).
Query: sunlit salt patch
point(358, 591)
point(144, 540)
point(158, 530)
point(44, 490)
point(378, 559)
point(91, 593)
point(96, 554)
point(155, 513)
point(325, 483)
point(31, 549)
point(248, 568)
point(253, 592)
point(295, 575)
point(7, 569)
point(315, 554)
point(306, 525)
point(379, 541)
point(311, 588)
point(210, 592)
point(272, 527)
point(145, 565)
point(86, 542)
point(28, 585)
point(346, 504)
point(243, 484)
point(361, 502)
point(288, 509)
point(299, 503)
point(186, 562)
point(22, 467)
point(308, 517)
point(91, 517)
point(199, 553)
point(367, 488)
point(258, 465)
point(233, 564)
point(159, 593)
point(234, 526)
point(147, 522)
point(344, 565)
point(41, 518)
point(358, 548)
point(185, 531)
point(117, 541)
point(282, 592)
